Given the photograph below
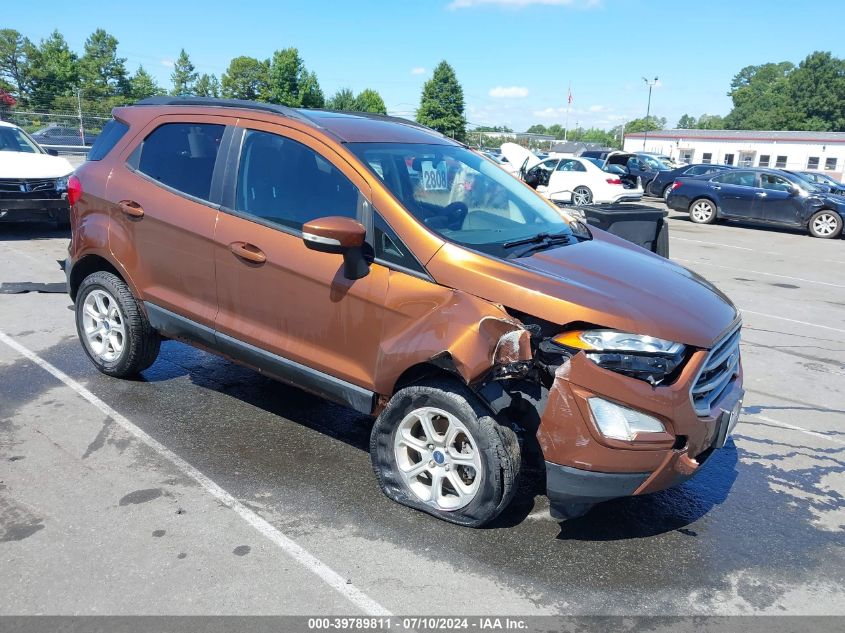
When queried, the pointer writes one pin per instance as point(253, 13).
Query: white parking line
point(755, 250)
point(290, 547)
point(784, 425)
point(780, 318)
point(759, 272)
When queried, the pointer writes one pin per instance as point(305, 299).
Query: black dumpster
point(643, 225)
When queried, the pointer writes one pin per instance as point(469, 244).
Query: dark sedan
point(765, 196)
point(827, 187)
point(662, 182)
point(824, 179)
point(58, 135)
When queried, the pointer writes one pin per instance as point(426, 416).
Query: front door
point(274, 293)
point(777, 202)
point(162, 225)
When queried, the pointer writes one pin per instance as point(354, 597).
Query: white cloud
point(550, 113)
point(599, 108)
point(520, 4)
point(508, 92)
point(419, 70)
point(167, 62)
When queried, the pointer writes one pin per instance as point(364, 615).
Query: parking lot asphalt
point(205, 488)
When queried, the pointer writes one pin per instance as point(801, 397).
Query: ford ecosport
point(379, 264)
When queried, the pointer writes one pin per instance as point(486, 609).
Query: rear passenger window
point(108, 138)
point(287, 183)
point(182, 156)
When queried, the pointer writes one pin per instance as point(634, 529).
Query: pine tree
point(442, 103)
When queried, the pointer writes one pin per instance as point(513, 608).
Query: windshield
point(657, 164)
point(461, 196)
point(14, 139)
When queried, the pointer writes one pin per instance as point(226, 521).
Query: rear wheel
point(435, 448)
point(825, 224)
point(666, 190)
point(702, 211)
point(113, 330)
point(581, 195)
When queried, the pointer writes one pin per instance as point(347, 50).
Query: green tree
point(290, 83)
point(343, 99)
point(15, 61)
point(184, 75)
point(207, 86)
point(442, 103)
point(493, 128)
point(55, 71)
point(245, 78)
point(102, 73)
point(710, 122)
point(761, 99)
point(142, 85)
point(641, 125)
point(556, 130)
point(537, 128)
point(817, 93)
point(369, 100)
point(687, 122)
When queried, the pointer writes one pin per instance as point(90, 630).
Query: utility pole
point(650, 85)
point(79, 106)
point(568, 104)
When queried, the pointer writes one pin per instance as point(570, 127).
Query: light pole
point(650, 85)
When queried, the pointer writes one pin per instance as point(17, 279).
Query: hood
point(27, 165)
point(518, 155)
point(605, 281)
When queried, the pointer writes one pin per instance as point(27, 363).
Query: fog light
point(622, 423)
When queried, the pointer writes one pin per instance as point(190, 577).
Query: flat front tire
point(702, 211)
point(112, 328)
point(435, 448)
point(825, 224)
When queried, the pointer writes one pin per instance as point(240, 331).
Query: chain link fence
point(65, 132)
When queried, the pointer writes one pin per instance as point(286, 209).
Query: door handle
point(717, 187)
point(761, 194)
point(249, 252)
point(131, 208)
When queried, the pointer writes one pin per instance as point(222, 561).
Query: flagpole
point(568, 104)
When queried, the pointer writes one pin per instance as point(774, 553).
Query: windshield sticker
point(434, 178)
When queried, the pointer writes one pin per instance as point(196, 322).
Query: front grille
point(26, 185)
point(719, 370)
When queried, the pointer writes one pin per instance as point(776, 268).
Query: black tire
point(497, 446)
point(698, 211)
point(666, 191)
point(141, 342)
point(825, 224)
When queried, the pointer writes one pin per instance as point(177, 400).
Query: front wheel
point(436, 449)
point(702, 211)
point(825, 224)
point(114, 332)
point(581, 195)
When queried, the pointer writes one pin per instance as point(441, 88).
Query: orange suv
point(384, 266)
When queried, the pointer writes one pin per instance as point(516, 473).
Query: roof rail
point(223, 103)
point(379, 117)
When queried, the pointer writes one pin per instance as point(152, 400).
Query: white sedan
point(579, 181)
point(569, 179)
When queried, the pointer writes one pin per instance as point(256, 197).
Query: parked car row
point(766, 196)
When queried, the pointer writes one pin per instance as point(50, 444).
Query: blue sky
point(514, 58)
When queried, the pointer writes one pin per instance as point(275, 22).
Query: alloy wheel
point(438, 458)
point(825, 224)
point(581, 195)
point(702, 211)
point(103, 325)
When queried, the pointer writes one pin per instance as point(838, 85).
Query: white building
point(812, 151)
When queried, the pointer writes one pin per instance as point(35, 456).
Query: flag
point(569, 99)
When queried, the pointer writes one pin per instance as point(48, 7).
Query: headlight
point(622, 423)
point(644, 357)
point(615, 341)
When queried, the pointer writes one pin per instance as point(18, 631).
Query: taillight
point(74, 190)
point(675, 185)
point(614, 181)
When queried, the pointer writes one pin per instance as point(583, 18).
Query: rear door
point(164, 211)
point(275, 294)
point(737, 192)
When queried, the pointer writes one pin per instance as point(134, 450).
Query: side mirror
point(340, 236)
point(794, 190)
point(52, 152)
